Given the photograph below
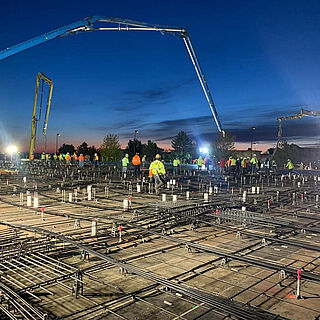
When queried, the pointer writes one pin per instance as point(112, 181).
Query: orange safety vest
point(74, 156)
point(81, 158)
point(136, 160)
point(96, 158)
point(68, 158)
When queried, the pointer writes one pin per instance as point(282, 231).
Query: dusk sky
point(260, 59)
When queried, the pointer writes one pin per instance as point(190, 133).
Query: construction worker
point(144, 160)
point(254, 164)
point(74, 158)
point(158, 171)
point(125, 162)
point(244, 164)
point(229, 164)
point(206, 162)
point(289, 165)
point(48, 157)
point(95, 159)
point(55, 157)
point(81, 160)
point(238, 166)
point(176, 164)
point(267, 165)
point(61, 157)
point(222, 165)
point(68, 158)
point(233, 163)
point(43, 156)
point(136, 163)
point(200, 163)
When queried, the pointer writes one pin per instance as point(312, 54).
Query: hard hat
point(158, 156)
point(254, 155)
point(127, 155)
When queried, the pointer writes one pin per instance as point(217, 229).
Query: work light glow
point(12, 149)
point(204, 150)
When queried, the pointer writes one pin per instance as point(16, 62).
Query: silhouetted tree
point(83, 148)
point(134, 146)
point(92, 150)
point(65, 148)
point(182, 145)
point(288, 151)
point(111, 148)
point(150, 149)
point(223, 146)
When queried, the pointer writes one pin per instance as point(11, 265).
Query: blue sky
point(260, 58)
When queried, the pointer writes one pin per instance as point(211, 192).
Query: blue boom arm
point(93, 24)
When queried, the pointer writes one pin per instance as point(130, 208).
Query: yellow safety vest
point(157, 167)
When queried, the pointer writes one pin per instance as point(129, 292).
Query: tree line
point(183, 148)
point(84, 149)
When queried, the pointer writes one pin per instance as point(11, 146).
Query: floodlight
point(12, 149)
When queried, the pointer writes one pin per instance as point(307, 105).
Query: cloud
point(248, 116)
point(148, 94)
point(168, 124)
point(203, 129)
point(139, 98)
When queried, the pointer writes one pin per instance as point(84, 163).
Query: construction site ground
point(89, 243)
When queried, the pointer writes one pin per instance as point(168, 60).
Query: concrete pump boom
point(88, 24)
point(40, 77)
point(299, 115)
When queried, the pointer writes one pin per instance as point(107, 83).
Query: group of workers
point(136, 161)
point(157, 170)
point(68, 159)
point(251, 165)
point(202, 163)
point(242, 165)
